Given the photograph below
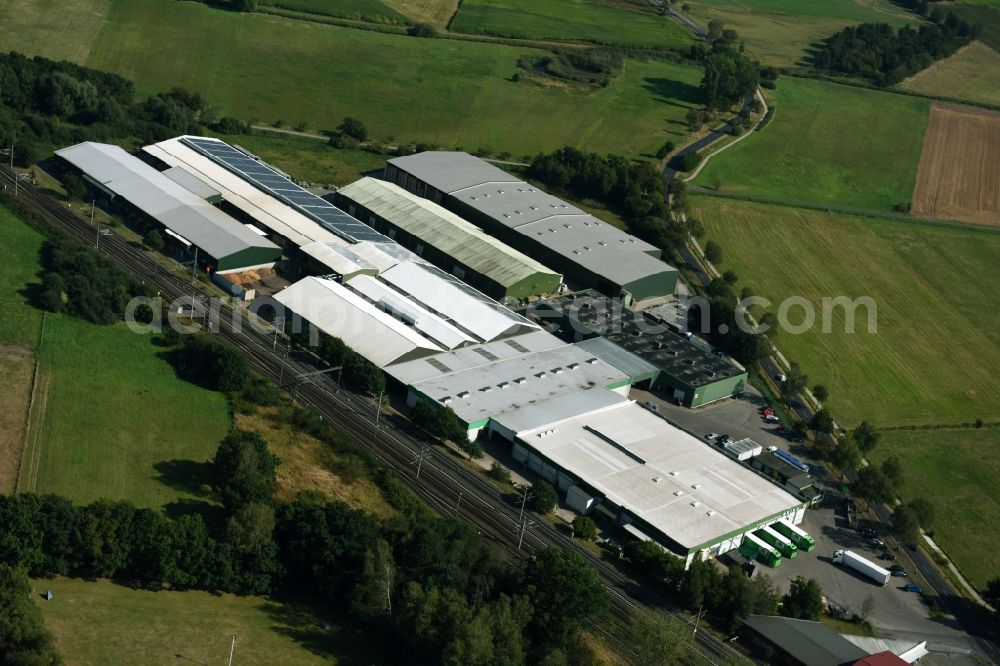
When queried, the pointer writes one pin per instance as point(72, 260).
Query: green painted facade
point(696, 396)
point(253, 256)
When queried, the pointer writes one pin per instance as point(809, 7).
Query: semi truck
point(802, 540)
point(864, 566)
point(755, 549)
point(779, 541)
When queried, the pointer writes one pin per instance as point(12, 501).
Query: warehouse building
point(682, 370)
point(447, 241)
point(660, 482)
point(174, 203)
point(587, 251)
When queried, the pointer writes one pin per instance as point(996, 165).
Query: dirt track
point(959, 174)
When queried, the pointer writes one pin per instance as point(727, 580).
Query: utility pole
point(100, 231)
point(378, 408)
point(93, 203)
point(419, 460)
point(458, 504)
point(194, 265)
point(232, 648)
point(697, 620)
point(274, 345)
point(525, 524)
point(524, 500)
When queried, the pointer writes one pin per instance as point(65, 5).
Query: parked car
point(887, 556)
point(771, 418)
point(875, 542)
point(898, 571)
point(712, 435)
point(651, 406)
point(725, 439)
point(912, 587)
point(869, 532)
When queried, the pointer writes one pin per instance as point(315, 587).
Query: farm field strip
point(938, 336)
point(37, 27)
point(404, 89)
point(97, 622)
point(779, 33)
point(107, 409)
point(828, 143)
point(972, 74)
point(959, 175)
point(587, 20)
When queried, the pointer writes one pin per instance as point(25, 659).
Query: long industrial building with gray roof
point(587, 251)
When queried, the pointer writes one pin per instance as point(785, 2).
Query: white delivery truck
point(851, 559)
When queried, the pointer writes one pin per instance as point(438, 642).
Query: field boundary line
point(27, 450)
point(694, 174)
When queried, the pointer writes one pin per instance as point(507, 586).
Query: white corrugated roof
point(338, 258)
point(271, 213)
point(163, 199)
point(339, 312)
point(466, 307)
point(683, 487)
point(397, 304)
point(501, 388)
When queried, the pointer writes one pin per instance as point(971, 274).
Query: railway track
point(444, 483)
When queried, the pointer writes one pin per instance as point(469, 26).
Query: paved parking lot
point(897, 614)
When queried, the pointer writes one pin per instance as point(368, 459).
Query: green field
point(972, 74)
point(829, 143)
point(365, 10)
point(108, 410)
point(310, 159)
point(985, 14)
point(937, 345)
point(34, 27)
point(451, 93)
point(957, 470)
point(104, 623)
point(585, 20)
point(779, 32)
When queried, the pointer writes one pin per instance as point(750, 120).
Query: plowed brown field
point(959, 174)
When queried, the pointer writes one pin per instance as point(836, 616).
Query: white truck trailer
point(864, 566)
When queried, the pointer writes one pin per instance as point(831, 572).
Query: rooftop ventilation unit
point(557, 371)
point(520, 380)
point(696, 486)
point(503, 385)
point(695, 503)
point(678, 493)
point(592, 360)
point(463, 394)
point(710, 512)
point(573, 366)
point(674, 473)
point(657, 479)
point(541, 375)
point(486, 389)
point(445, 400)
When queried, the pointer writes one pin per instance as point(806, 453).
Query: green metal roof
point(438, 227)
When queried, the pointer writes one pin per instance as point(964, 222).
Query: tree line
point(634, 190)
point(886, 56)
point(80, 282)
point(728, 597)
point(46, 104)
point(432, 585)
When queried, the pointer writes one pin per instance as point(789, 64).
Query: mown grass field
point(364, 10)
point(103, 623)
point(972, 74)
point(957, 471)
point(64, 32)
point(829, 143)
point(451, 93)
point(621, 23)
point(937, 345)
point(433, 12)
point(108, 409)
point(779, 32)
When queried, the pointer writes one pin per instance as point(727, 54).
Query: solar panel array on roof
point(277, 185)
